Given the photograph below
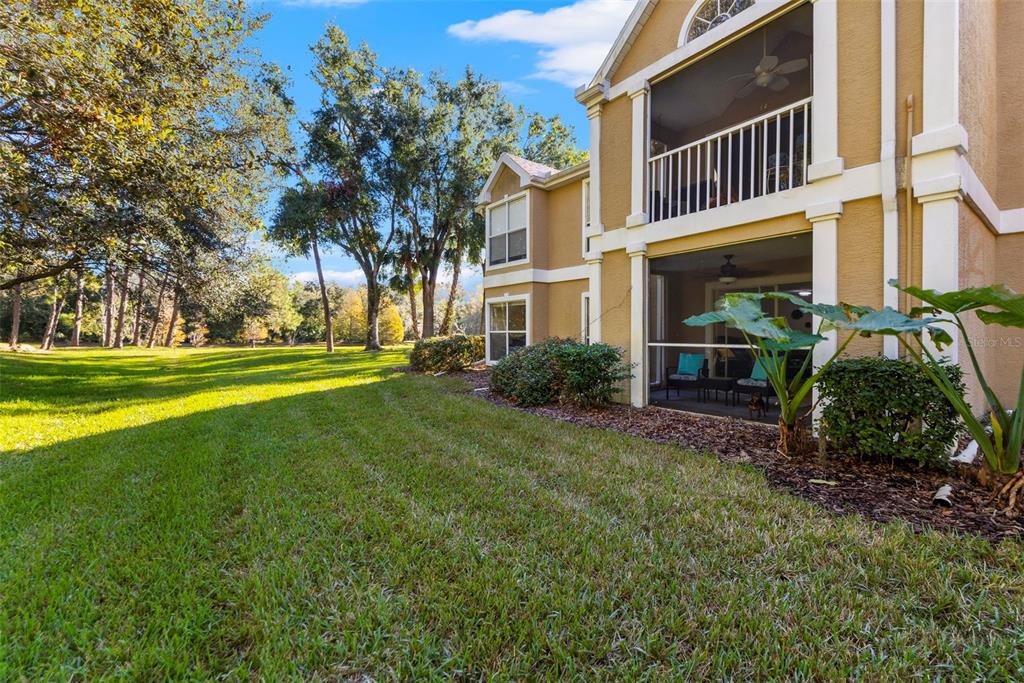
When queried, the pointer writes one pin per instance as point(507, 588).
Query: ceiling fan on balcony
point(729, 272)
point(769, 72)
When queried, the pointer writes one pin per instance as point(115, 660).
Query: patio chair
point(756, 382)
point(689, 372)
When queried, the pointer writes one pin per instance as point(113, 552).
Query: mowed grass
point(278, 513)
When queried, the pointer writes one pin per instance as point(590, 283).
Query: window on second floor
point(714, 12)
point(507, 231)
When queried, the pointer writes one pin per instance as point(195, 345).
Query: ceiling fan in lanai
point(729, 272)
point(769, 72)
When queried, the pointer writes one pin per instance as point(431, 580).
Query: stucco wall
point(540, 226)
point(564, 225)
point(1008, 343)
point(909, 64)
point(615, 306)
point(660, 36)
point(616, 118)
point(979, 87)
point(505, 184)
point(860, 73)
point(1010, 103)
point(564, 306)
point(860, 274)
point(784, 225)
point(977, 260)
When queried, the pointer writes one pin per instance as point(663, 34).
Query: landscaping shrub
point(446, 354)
point(560, 370)
point(884, 409)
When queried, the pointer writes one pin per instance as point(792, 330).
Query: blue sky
point(539, 50)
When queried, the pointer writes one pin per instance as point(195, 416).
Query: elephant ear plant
point(772, 341)
point(994, 305)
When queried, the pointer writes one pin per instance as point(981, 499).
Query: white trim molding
point(940, 252)
point(824, 219)
point(887, 161)
point(594, 273)
point(538, 275)
point(594, 116)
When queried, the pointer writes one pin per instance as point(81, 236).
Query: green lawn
point(278, 513)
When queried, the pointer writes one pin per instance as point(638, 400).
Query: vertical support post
point(638, 385)
point(824, 220)
point(825, 161)
point(637, 215)
point(594, 115)
point(594, 278)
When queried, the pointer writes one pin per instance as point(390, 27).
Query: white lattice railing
point(755, 158)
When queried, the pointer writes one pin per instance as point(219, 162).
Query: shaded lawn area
point(281, 513)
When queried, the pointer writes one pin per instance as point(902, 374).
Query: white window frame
point(507, 299)
point(585, 215)
point(507, 199)
point(585, 317)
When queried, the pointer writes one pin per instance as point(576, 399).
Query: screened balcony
point(735, 125)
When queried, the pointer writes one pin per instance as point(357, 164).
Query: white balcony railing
point(763, 155)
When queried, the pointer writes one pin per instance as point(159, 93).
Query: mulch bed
point(876, 491)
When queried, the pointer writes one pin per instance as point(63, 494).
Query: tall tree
point(349, 147)
point(122, 306)
point(140, 290)
point(15, 316)
point(301, 226)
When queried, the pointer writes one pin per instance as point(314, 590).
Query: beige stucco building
point(822, 147)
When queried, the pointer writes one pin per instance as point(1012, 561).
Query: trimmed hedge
point(446, 354)
point(562, 370)
point(885, 409)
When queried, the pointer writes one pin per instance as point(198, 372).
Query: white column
point(594, 273)
point(890, 212)
point(940, 252)
point(638, 385)
point(638, 168)
point(594, 115)
point(824, 219)
point(825, 159)
point(941, 75)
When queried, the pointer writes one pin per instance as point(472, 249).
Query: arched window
point(714, 12)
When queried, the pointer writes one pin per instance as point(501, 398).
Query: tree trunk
point(156, 316)
point(329, 327)
point(373, 295)
point(51, 324)
point(108, 305)
point(15, 316)
point(76, 331)
point(449, 307)
point(412, 306)
point(137, 329)
point(429, 281)
point(483, 310)
point(175, 309)
point(121, 308)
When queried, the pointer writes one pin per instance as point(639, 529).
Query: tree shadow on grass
point(101, 382)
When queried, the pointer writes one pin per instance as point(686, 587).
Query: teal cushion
point(690, 363)
point(760, 371)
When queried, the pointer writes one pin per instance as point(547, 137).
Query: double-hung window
point(586, 215)
point(506, 328)
point(507, 228)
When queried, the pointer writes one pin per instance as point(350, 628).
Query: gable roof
point(528, 171)
point(630, 30)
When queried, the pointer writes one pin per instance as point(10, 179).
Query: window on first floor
point(507, 231)
point(586, 214)
point(506, 328)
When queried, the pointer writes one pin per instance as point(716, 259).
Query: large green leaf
point(890, 321)
point(743, 313)
point(1008, 304)
point(797, 340)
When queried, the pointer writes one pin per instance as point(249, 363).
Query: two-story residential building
point(821, 147)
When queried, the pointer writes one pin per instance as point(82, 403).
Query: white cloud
point(516, 88)
point(573, 38)
point(347, 278)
